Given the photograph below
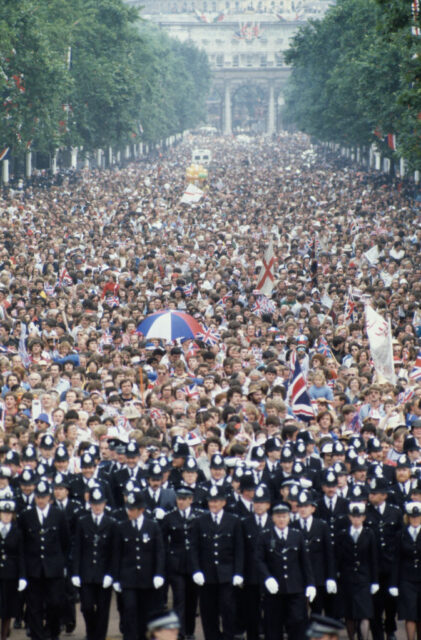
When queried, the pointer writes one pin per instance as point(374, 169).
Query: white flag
point(372, 255)
point(380, 339)
point(192, 194)
point(267, 272)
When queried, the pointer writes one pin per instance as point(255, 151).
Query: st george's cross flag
point(266, 277)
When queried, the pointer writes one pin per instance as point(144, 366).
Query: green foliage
point(88, 73)
point(355, 72)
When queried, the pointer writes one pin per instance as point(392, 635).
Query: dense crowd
point(179, 469)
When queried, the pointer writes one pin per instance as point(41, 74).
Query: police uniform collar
point(262, 518)
point(43, 512)
point(282, 533)
point(185, 513)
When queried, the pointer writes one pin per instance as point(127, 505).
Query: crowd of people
point(180, 471)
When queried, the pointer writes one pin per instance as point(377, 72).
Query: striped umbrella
point(169, 325)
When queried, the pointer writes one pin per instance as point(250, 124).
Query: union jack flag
point(298, 397)
point(188, 290)
point(355, 423)
point(9, 349)
point(208, 336)
point(415, 373)
point(49, 288)
point(65, 279)
point(112, 301)
point(263, 305)
point(349, 309)
point(223, 300)
point(405, 396)
point(323, 348)
point(156, 413)
point(191, 391)
point(106, 338)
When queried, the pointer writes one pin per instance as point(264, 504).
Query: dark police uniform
point(46, 548)
point(408, 575)
point(138, 557)
point(320, 548)
point(217, 552)
point(12, 569)
point(386, 522)
point(250, 611)
point(357, 566)
point(92, 560)
point(288, 562)
point(177, 534)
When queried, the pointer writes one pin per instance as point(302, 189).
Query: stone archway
point(214, 107)
point(250, 108)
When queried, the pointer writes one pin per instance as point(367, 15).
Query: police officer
point(286, 575)
point(386, 521)
point(131, 470)
point(71, 510)
point(91, 565)
point(357, 565)
point(12, 568)
point(408, 571)
point(320, 547)
point(177, 533)
point(79, 485)
point(138, 567)
point(253, 526)
point(26, 496)
point(217, 556)
point(190, 480)
point(46, 546)
point(158, 501)
point(330, 507)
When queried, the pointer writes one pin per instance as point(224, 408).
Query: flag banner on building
point(380, 340)
point(266, 277)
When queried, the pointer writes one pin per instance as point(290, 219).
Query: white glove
point(107, 582)
point(238, 581)
point(158, 581)
point(394, 592)
point(198, 578)
point(374, 588)
point(117, 587)
point(22, 584)
point(272, 585)
point(76, 582)
point(311, 593)
point(159, 513)
point(331, 586)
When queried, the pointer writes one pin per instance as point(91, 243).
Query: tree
point(355, 77)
